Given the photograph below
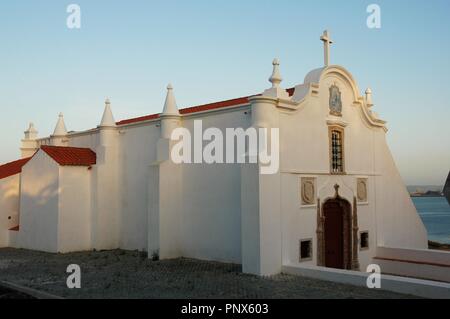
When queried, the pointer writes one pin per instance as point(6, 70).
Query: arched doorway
point(337, 233)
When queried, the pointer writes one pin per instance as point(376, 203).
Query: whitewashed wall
point(9, 206)
point(138, 152)
point(74, 222)
point(39, 204)
point(211, 204)
point(399, 225)
point(89, 139)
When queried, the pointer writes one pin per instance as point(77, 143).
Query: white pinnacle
point(276, 91)
point(31, 132)
point(276, 78)
point(60, 129)
point(170, 106)
point(108, 118)
point(369, 101)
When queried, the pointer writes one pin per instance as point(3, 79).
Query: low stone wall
point(417, 263)
point(410, 286)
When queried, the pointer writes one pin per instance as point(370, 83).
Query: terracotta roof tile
point(199, 108)
point(291, 91)
point(139, 119)
point(71, 156)
point(216, 105)
point(13, 168)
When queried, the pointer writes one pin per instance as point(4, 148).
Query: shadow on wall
point(9, 190)
point(39, 217)
point(41, 194)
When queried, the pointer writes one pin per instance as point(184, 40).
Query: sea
point(435, 214)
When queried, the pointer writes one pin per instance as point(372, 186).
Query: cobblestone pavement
point(129, 274)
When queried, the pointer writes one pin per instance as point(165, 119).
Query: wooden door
point(334, 235)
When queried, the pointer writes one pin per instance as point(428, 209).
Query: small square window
point(364, 241)
point(305, 249)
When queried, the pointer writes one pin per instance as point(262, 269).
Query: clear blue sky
point(213, 50)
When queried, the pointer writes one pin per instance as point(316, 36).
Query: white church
point(337, 199)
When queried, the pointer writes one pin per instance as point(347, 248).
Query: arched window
point(337, 150)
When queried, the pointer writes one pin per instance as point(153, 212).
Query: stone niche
point(361, 190)
point(308, 190)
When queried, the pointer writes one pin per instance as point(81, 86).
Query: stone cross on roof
point(326, 46)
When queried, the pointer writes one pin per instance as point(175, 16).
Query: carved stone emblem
point(335, 101)
point(308, 192)
point(361, 189)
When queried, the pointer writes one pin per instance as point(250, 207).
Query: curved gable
point(338, 75)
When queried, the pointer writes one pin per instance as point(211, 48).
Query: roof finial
point(369, 101)
point(60, 129)
point(170, 106)
point(326, 46)
point(276, 91)
point(108, 118)
point(276, 78)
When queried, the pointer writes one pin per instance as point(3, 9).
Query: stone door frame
point(351, 260)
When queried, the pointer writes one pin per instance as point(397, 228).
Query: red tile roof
point(13, 168)
point(291, 91)
point(139, 119)
point(216, 105)
point(199, 108)
point(71, 156)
